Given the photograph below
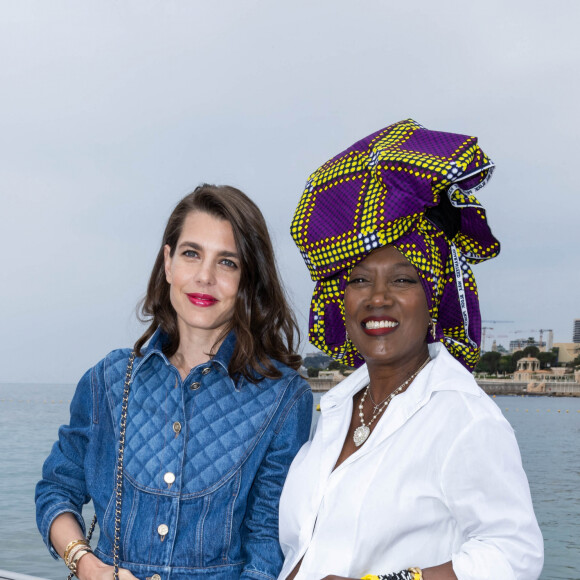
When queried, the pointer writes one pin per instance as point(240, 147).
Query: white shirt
point(440, 478)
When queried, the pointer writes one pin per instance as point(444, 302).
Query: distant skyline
point(111, 111)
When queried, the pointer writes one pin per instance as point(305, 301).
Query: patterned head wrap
point(412, 188)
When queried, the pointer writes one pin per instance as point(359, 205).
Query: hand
point(65, 529)
point(91, 568)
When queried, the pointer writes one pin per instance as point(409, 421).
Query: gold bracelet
point(417, 573)
point(73, 567)
point(71, 545)
point(74, 551)
point(73, 548)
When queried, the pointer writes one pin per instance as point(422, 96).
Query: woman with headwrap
point(413, 471)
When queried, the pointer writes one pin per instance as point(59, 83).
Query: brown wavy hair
point(264, 324)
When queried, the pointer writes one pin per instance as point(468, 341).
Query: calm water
point(548, 431)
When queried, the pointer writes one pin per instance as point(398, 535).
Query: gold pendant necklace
point(361, 434)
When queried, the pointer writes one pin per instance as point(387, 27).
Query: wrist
point(88, 564)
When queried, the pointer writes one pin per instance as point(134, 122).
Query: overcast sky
point(112, 110)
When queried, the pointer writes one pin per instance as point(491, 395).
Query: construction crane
point(528, 332)
point(484, 328)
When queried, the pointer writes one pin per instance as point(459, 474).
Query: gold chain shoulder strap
point(118, 473)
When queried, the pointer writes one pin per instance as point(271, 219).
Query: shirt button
point(177, 427)
point(154, 577)
point(168, 478)
point(206, 371)
point(195, 386)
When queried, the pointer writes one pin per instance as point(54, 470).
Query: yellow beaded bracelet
point(417, 575)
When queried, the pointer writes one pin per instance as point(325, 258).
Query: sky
point(112, 110)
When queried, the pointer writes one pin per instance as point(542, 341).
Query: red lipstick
point(203, 300)
point(379, 325)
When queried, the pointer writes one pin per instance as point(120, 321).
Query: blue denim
point(228, 446)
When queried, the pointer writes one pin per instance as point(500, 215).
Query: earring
point(433, 329)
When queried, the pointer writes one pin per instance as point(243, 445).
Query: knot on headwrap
point(412, 188)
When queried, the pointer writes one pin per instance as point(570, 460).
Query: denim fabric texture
point(228, 446)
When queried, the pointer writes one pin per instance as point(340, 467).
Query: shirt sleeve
point(487, 492)
point(260, 531)
point(63, 487)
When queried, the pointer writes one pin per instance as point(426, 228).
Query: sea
point(547, 429)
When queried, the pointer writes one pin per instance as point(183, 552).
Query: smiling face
point(386, 310)
point(204, 275)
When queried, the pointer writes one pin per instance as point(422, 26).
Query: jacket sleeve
point(487, 491)
point(260, 531)
point(62, 487)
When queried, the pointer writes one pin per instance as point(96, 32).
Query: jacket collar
point(220, 361)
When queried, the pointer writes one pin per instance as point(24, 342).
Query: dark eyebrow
point(227, 254)
point(190, 245)
point(195, 246)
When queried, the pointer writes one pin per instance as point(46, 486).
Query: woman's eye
point(356, 280)
point(190, 253)
point(229, 263)
point(405, 280)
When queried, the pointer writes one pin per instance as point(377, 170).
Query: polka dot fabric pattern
point(376, 193)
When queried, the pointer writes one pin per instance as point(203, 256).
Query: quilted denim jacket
point(205, 461)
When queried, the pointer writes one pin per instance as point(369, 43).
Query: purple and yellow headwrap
point(412, 188)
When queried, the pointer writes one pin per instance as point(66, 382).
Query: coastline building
point(567, 351)
point(527, 367)
point(324, 381)
point(576, 331)
point(330, 376)
point(541, 344)
point(560, 380)
point(521, 343)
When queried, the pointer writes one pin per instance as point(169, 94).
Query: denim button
point(162, 531)
point(195, 386)
point(205, 371)
point(177, 428)
point(169, 478)
point(154, 577)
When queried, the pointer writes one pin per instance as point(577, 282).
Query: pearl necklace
point(361, 434)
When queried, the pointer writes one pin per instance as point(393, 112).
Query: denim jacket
point(205, 461)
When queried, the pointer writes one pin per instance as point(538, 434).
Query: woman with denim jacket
point(214, 415)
